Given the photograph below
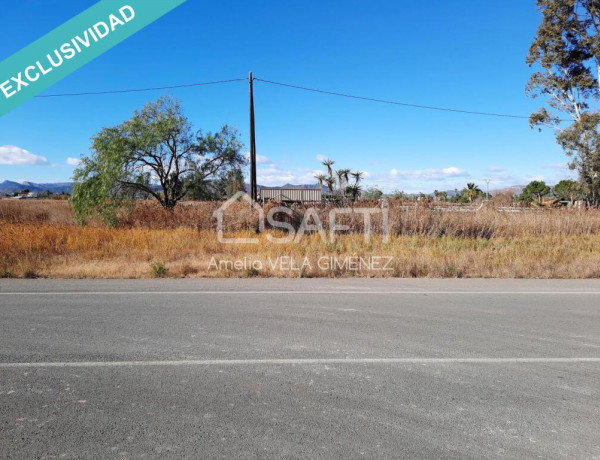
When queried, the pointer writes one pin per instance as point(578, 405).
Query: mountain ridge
point(10, 187)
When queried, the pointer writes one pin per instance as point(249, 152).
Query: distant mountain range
point(13, 187)
point(10, 187)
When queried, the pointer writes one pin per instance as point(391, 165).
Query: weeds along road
point(299, 368)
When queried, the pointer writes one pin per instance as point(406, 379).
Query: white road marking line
point(226, 362)
point(306, 292)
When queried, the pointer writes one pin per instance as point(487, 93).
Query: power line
point(384, 101)
point(303, 88)
point(138, 90)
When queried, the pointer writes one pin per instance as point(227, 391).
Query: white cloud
point(73, 161)
point(274, 176)
point(16, 156)
point(499, 177)
point(428, 174)
point(453, 171)
point(321, 158)
point(308, 176)
point(417, 180)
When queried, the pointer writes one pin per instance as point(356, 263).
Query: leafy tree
point(440, 196)
point(566, 190)
point(154, 153)
point(424, 198)
point(400, 195)
point(566, 50)
point(457, 197)
point(535, 191)
point(372, 193)
point(225, 186)
point(234, 182)
point(199, 188)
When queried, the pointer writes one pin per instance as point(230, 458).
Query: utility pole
point(253, 188)
point(487, 189)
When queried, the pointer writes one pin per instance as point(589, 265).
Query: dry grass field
point(40, 239)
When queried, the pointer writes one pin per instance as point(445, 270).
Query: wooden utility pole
point(253, 188)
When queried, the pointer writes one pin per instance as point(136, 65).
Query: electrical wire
point(303, 88)
point(385, 101)
point(138, 90)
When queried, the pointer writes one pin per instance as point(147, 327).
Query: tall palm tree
point(330, 181)
point(328, 164)
point(343, 177)
point(321, 178)
point(357, 175)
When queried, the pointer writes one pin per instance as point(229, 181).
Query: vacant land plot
point(40, 239)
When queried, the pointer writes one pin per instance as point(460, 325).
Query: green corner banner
point(75, 43)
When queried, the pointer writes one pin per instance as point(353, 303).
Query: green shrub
point(159, 270)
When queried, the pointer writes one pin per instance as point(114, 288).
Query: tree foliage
point(535, 191)
point(440, 196)
point(153, 154)
point(567, 190)
point(230, 183)
point(372, 193)
point(566, 50)
point(400, 195)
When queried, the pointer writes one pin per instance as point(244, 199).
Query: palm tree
point(330, 183)
point(472, 191)
point(357, 175)
point(343, 177)
point(354, 191)
point(321, 178)
point(328, 164)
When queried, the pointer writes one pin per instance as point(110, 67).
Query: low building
point(291, 195)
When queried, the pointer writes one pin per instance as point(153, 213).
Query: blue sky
point(468, 54)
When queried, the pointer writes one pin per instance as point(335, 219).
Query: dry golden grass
point(39, 238)
point(36, 211)
point(423, 220)
point(28, 250)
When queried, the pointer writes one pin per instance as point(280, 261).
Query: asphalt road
point(299, 369)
